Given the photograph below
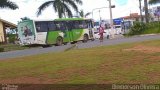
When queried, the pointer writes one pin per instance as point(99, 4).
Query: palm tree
point(154, 1)
point(81, 13)
point(146, 11)
point(8, 4)
point(61, 6)
point(140, 8)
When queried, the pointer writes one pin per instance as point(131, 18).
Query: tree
point(146, 11)
point(140, 8)
point(81, 14)
point(8, 4)
point(154, 1)
point(25, 18)
point(61, 6)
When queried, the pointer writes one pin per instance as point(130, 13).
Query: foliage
point(152, 27)
point(154, 1)
point(11, 38)
point(25, 18)
point(144, 28)
point(12, 47)
point(8, 4)
point(63, 7)
point(81, 13)
point(1, 49)
point(137, 28)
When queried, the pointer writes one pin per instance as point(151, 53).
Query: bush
point(137, 28)
point(12, 38)
point(1, 49)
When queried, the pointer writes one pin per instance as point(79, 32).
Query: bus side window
point(60, 26)
point(76, 25)
point(69, 25)
point(51, 26)
point(38, 29)
point(81, 25)
point(41, 26)
point(85, 24)
point(63, 26)
point(37, 26)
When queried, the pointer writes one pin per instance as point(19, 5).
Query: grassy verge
point(124, 63)
point(12, 47)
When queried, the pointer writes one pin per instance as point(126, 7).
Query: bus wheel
point(59, 41)
point(85, 38)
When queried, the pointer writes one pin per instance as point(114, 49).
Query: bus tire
point(85, 38)
point(59, 41)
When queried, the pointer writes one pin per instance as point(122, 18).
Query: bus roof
point(70, 19)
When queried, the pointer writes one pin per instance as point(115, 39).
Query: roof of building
point(132, 15)
point(8, 24)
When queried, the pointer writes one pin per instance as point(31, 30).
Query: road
point(89, 44)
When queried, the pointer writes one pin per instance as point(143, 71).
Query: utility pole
point(111, 19)
point(100, 15)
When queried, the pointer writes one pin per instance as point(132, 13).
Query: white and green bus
point(58, 31)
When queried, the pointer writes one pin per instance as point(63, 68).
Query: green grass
point(144, 28)
point(107, 64)
point(152, 28)
point(12, 47)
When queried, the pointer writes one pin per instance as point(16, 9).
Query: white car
point(106, 34)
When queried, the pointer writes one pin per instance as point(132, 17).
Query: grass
point(12, 47)
point(144, 28)
point(124, 63)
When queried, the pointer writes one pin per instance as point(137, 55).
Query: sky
point(28, 8)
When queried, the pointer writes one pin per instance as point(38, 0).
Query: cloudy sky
point(28, 8)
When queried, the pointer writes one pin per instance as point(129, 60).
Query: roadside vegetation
point(124, 63)
point(144, 28)
point(11, 47)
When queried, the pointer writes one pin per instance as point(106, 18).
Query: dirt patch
point(153, 77)
point(62, 75)
point(70, 71)
point(27, 80)
point(34, 80)
point(144, 49)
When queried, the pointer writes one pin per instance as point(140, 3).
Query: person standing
point(101, 31)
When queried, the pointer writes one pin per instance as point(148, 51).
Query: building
point(3, 25)
point(134, 17)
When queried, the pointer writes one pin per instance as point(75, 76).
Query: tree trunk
point(146, 11)
point(140, 8)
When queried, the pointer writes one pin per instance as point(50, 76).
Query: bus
point(58, 31)
point(126, 25)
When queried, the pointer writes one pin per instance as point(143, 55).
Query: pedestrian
point(101, 31)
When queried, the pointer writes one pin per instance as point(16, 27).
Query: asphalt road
point(89, 44)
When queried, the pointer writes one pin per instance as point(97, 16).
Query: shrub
point(137, 28)
point(1, 49)
point(12, 38)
